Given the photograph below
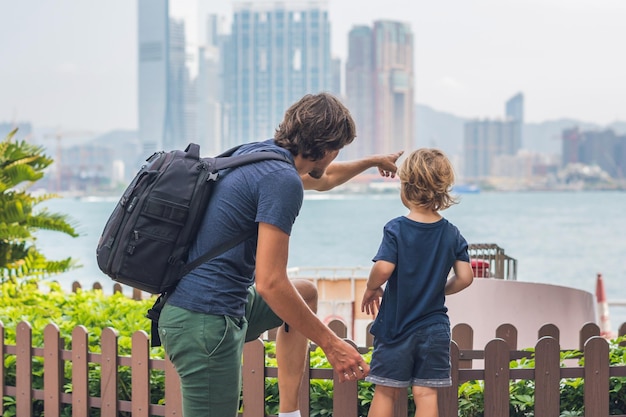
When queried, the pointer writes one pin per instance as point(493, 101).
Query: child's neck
point(423, 215)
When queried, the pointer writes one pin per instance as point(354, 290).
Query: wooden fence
point(495, 373)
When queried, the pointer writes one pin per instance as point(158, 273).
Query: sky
point(72, 64)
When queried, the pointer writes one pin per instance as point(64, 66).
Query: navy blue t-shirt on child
point(414, 296)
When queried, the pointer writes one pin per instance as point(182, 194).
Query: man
point(216, 308)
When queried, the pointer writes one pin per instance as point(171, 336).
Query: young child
point(412, 329)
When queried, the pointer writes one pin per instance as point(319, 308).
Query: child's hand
point(371, 301)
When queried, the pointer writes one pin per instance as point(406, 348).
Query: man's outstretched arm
point(338, 173)
point(273, 284)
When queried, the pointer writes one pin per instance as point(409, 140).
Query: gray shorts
point(421, 358)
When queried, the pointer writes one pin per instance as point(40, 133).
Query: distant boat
point(466, 189)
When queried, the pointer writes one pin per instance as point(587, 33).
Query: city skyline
point(74, 65)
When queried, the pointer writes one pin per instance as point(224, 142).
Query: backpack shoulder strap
point(215, 252)
point(222, 162)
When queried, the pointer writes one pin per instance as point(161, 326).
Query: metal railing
point(490, 261)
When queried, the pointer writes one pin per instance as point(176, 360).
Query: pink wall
point(488, 303)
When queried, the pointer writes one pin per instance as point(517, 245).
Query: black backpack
point(146, 240)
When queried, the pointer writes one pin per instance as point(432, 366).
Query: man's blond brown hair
point(314, 125)
point(426, 177)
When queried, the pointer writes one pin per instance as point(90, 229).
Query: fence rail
point(495, 373)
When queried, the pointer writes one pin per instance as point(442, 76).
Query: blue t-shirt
point(414, 296)
point(270, 192)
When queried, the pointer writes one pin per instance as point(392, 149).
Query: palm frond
point(35, 264)
point(52, 221)
point(21, 163)
point(10, 232)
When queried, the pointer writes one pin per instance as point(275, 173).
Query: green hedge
point(96, 311)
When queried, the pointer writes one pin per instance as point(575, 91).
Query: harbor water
point(561, 238)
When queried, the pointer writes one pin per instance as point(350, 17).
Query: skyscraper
point(393, 66)
point(515, 114)
point(380, 87)
point(515, 107)
point(601, 148)
point(360, 91)
point(168, 68)
point(485, 140)
point(335, 84)
point(210, 89)
point(482, 142)
point(277, 52)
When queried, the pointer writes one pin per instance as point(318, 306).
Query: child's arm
point(380, 273)
point(462, 278)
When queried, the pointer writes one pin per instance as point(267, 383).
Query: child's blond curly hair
point(427, 177)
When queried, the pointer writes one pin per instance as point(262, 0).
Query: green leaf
point(24, 163)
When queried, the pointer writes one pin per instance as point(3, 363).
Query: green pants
point(206, 351)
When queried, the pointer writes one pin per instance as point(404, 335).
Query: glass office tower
point(277, 52)
point(167, 72)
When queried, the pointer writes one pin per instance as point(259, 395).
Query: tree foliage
point(21, 165)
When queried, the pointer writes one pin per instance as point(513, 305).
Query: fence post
point(508, 333)
point(448, 397)
point(23, 369)
point(463, 335)
point(345, 395)
point(369, 338)
point(588, 330)
point(53, 344)
point(339, 328)
point(622, 332)
point(402, 405)
point(109, 372)
point(549, 330)
point(254, 379)
point(137, 295)
point(140, 374)
point(80, 371)
point(305, 387)
point(596, 377)
point(173, 396)
point(547, 378)
point(497, 378)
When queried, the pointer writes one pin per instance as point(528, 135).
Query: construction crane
point(59, 135)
